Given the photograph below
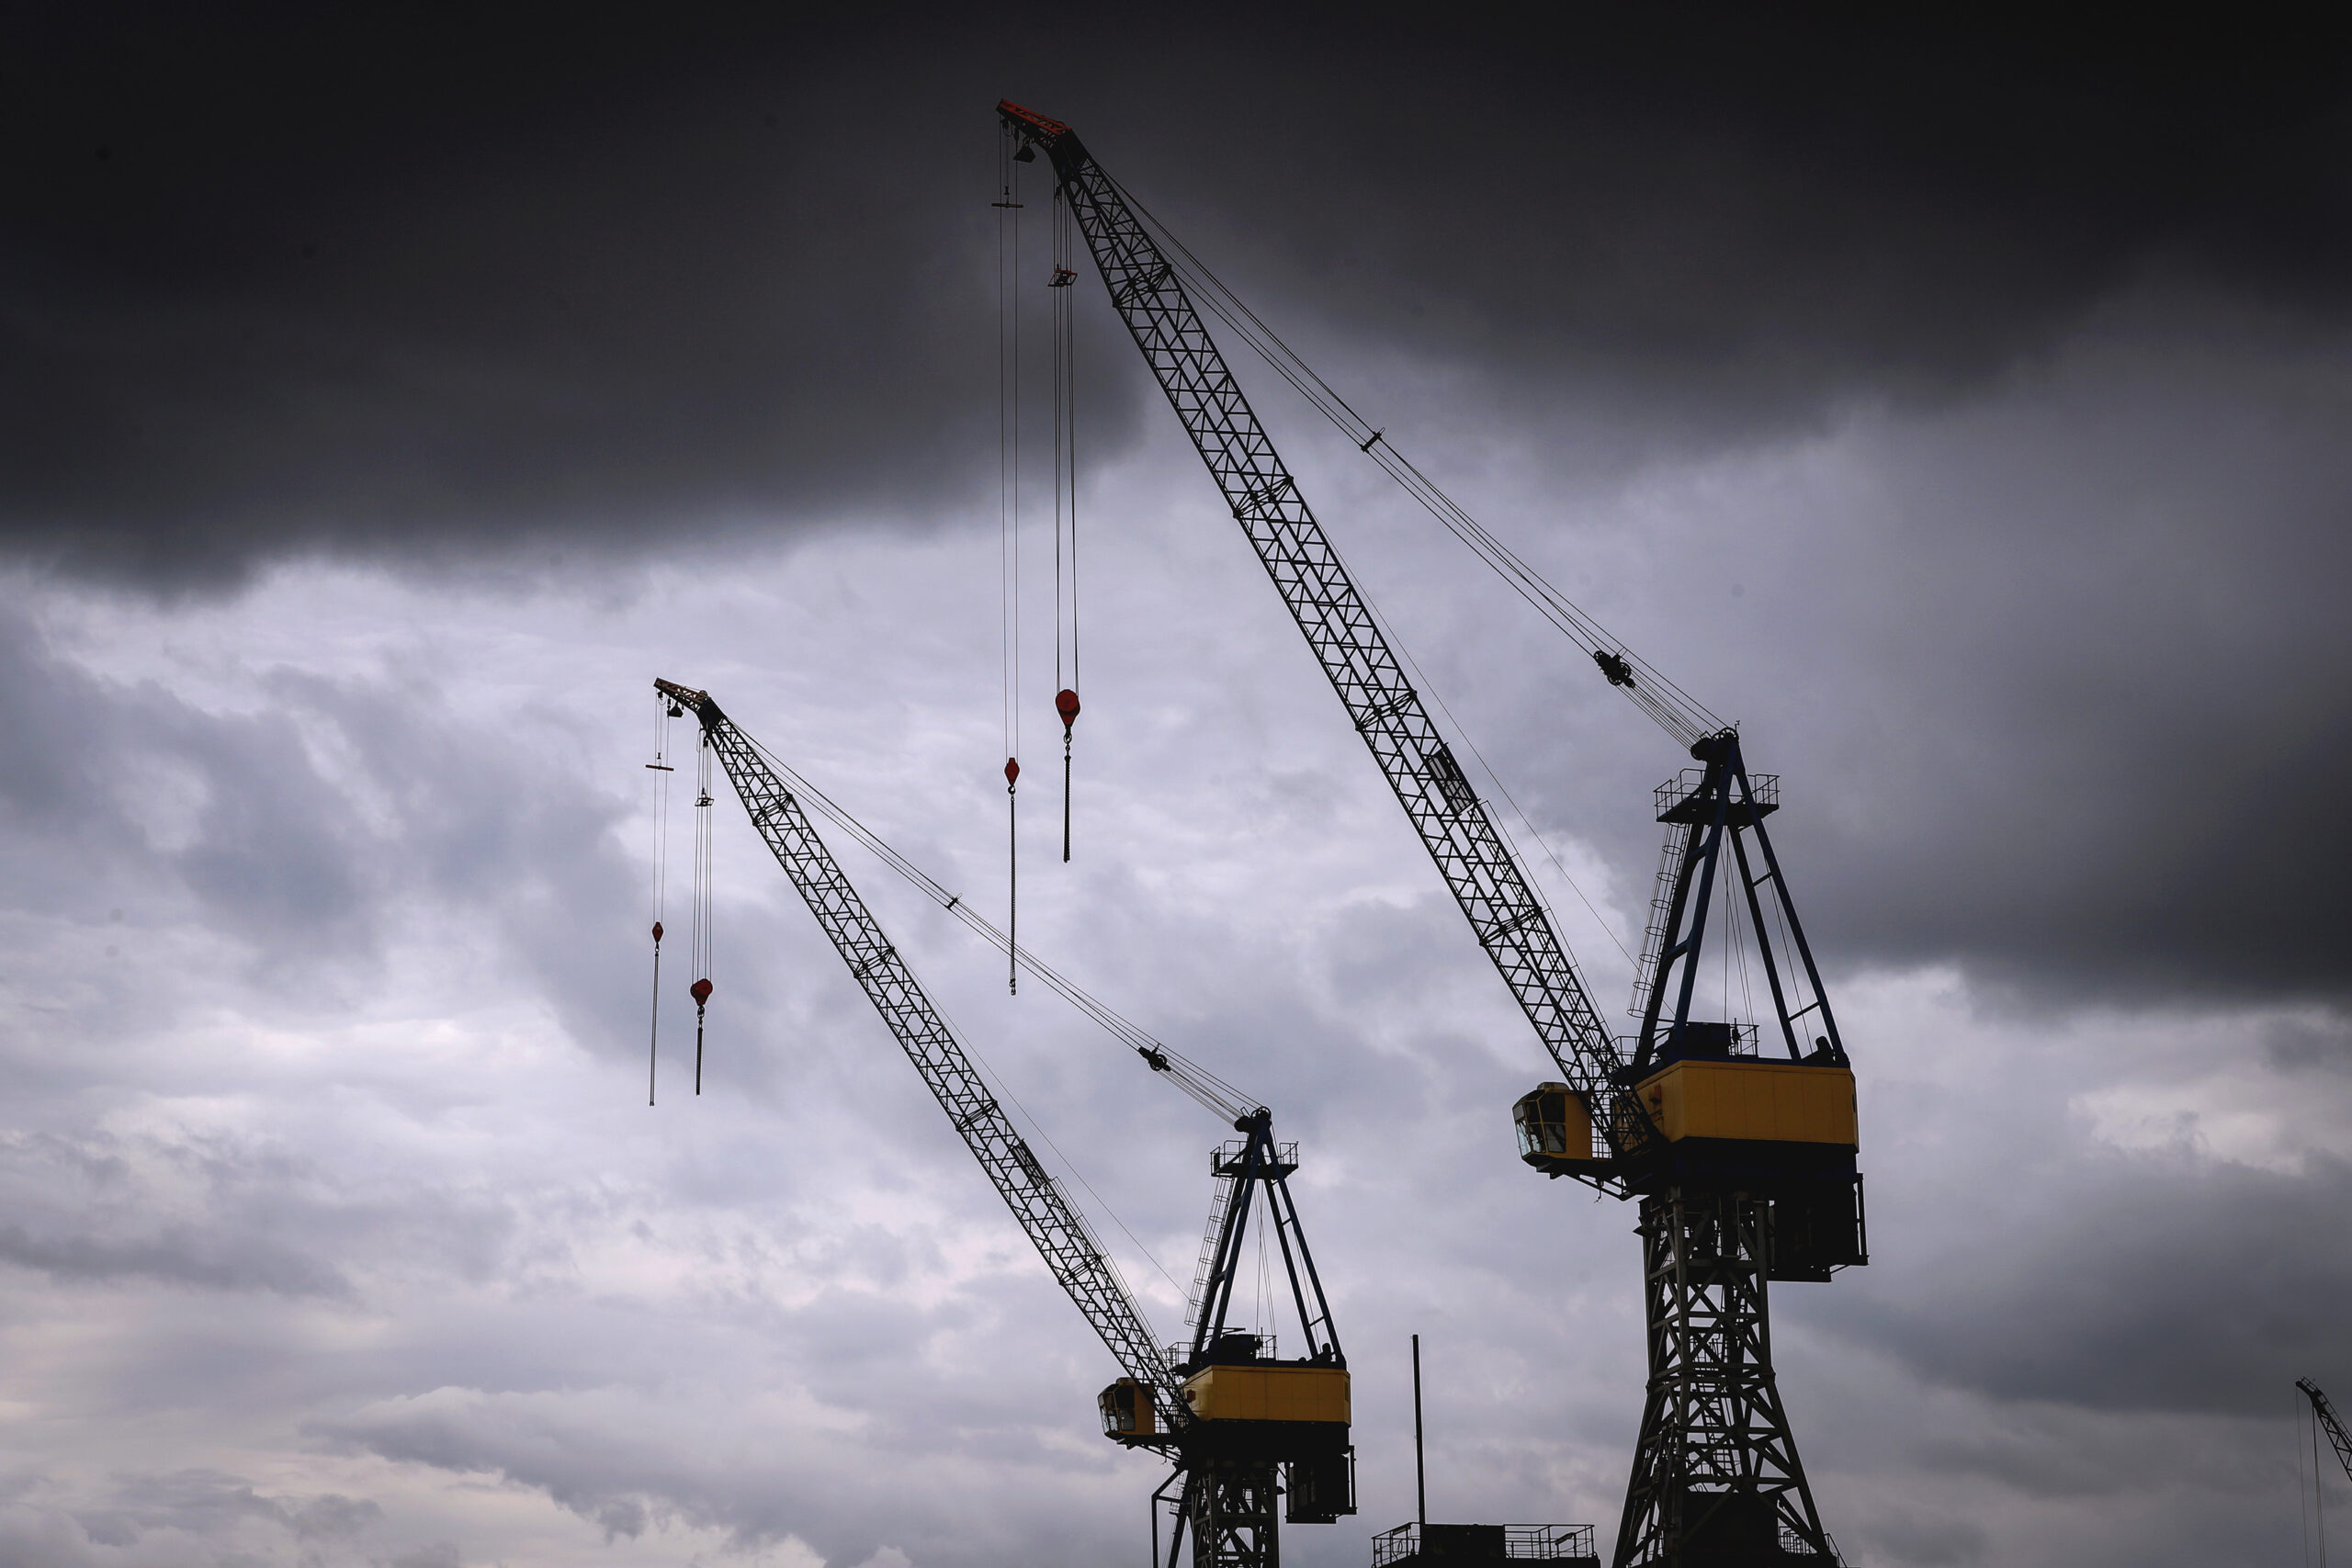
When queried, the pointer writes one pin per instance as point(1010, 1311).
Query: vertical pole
point(1420, 1473)
point(1012, 876)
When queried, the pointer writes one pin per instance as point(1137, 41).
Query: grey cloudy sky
point(389, 396)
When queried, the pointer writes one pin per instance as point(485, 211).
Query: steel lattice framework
point(1715, 1471)
point(1061, 1235)
point(2325, 1413)
point(1484, 879)
point(1230, 1504)
point(1722, 1304)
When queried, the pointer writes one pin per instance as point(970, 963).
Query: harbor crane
point(1742, 1163)
point(1229, 1415)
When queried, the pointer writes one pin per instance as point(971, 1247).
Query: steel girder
point(1061, 1235)
point(1484, 879)
point(2325, 1413)
point(1725, 808)
point(1230, 1505)
point(1715, 1478)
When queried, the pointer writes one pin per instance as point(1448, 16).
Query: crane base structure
point(1716, 1478)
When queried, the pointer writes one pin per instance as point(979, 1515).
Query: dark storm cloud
point(2147, 1281)
point(407, 283)
point(302, 830)
point(117, 795)
point(2056, 684)
point(215, 1212)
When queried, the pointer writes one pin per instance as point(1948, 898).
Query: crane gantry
point(1743, 1165)
point(1229, 1415)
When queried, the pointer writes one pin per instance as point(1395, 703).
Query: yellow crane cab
point(1128, 1411)
point(1554, 1128)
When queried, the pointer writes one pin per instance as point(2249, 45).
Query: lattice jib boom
point(1453, 824)
point(2325, 1414)
point(1060, 1233)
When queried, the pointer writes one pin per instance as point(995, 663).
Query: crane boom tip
point(1045, 130)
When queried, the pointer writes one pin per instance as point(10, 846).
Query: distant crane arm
point(1060, 1233)
point(2328, 1423)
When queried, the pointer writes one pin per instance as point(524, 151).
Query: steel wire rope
point(1671, 707)
point(662, 768)
point(2318, 1492)
point(1424, 686)
point(1064, 438)
point(1788, 952)
point(1003, 1090)
point(699, 947)
point(1731, 929)
point(1262, 1311)
point(1065, 480)
point(1008, 272)
point(2303, 1515)
point(1204, 1088)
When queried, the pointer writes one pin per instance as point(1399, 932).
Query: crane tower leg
point(1716, 1479)
point(1231, 1505)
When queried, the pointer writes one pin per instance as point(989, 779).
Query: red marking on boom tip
point(1066, 704)
point(1049, 129)
point(1011, 771)
point(700, 991)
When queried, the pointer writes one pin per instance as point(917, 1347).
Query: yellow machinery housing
point(1779, 1102)
point(1268, 1392)
point(1743, 1101)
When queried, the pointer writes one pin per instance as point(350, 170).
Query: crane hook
point(1066, 704)
point(700, 991)
point(1012, 875)
point(654, 1037)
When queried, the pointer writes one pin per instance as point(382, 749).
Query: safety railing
point(1684, 784)
point(1566, 1546)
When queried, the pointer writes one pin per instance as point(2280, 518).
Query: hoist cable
point(1673, 709)
point(698, 956)
point(1422, 684)
point(1008, 271)
point(1002, 1088)
point(1065, 486)
point(2318, 1492)
point(1202, 1086)
point(662, 768)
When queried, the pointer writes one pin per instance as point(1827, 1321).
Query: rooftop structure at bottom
point(1477, 1546)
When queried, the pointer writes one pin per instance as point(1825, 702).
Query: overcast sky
point(387, 396)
